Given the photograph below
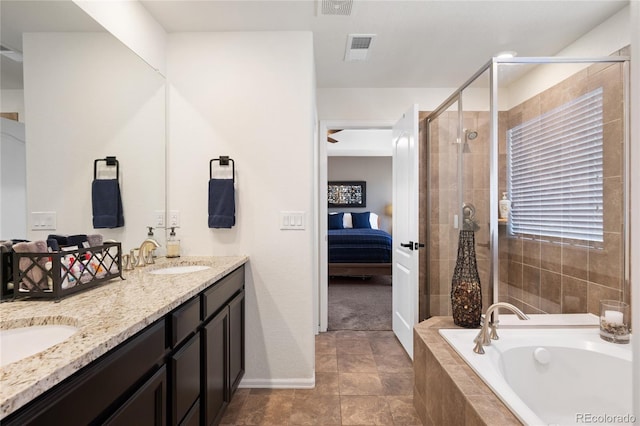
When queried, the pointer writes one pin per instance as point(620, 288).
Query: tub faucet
point(145, 256)
point(483, 338)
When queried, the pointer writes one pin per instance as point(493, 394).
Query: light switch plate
point(158, 219)
point(43, 221)
point(174, 219)
point(292, 220)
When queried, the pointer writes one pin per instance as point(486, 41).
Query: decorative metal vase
point(466, 294)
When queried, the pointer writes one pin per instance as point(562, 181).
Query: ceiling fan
point(332, 132)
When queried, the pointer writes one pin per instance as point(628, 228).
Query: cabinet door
point(193, 416)
point(147, 406)
point(236, 342)
point(185, 379)
point(215, 336)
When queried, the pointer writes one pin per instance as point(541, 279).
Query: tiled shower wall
point(537, 275)
point(444, 204)
point(546, 275)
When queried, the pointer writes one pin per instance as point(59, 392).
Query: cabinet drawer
point(216, 296)
point(184, 321)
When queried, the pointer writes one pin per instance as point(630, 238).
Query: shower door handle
point(408, 245)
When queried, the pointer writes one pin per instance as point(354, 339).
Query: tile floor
point(362, 378)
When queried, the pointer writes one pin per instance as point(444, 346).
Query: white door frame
point(321, 294)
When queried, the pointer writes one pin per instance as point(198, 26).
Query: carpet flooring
point(360, 304)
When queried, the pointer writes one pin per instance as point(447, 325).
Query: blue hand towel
point(222, 203)
point(107, 204)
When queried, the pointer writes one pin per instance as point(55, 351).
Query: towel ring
point(224, 161)
point(111, 161)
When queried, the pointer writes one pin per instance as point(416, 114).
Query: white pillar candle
point(614, 317)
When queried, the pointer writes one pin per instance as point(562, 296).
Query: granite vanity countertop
point(105, 316)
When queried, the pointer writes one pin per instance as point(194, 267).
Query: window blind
point(555, 172)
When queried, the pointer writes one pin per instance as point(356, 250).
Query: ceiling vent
point(336, 7)
point(358, 47)
point(11, 54)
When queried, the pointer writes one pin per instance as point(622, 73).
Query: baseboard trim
point(278, 383)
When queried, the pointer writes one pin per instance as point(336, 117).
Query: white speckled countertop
point(106, 316)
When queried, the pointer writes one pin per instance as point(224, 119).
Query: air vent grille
point(337, 7)
point(361, 42)
point(358, 47)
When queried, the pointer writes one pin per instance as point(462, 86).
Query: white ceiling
point(419, 43)
point(361, 143)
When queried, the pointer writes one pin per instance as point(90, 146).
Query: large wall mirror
point(81, 95)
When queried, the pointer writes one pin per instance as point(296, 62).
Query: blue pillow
point(335, 221)
point(361, 220)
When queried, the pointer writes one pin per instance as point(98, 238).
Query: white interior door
point(405, 227)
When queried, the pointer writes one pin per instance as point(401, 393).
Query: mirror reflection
point(79, 95)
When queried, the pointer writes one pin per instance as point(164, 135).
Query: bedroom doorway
point(375, 301)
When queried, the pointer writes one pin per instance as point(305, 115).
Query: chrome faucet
point(483, 338)
point(145, 255)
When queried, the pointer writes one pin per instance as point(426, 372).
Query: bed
point(356, 246)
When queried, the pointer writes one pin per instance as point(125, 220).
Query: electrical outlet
point(158, 219)
point(174, 219)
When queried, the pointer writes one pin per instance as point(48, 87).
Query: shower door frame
point(493, 66)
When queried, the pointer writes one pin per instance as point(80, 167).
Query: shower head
point(470, 134)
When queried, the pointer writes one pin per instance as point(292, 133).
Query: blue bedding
point(359, 245)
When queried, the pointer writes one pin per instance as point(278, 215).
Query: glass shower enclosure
point(550, 136)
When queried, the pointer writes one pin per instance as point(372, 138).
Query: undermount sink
point(183, 269)
point(22, 342)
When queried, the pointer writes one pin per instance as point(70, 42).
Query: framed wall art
point(347, 194)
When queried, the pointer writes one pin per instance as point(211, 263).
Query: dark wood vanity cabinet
point(181, 370)
point(222, 345)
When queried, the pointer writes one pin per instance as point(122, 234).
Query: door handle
point(408, 245)
point(416, 246)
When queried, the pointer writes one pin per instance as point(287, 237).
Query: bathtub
point(553, 376)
